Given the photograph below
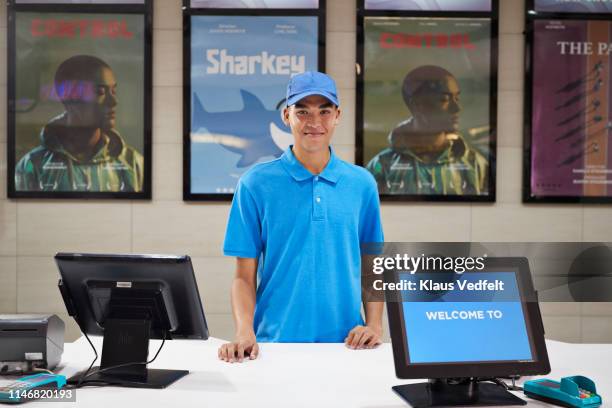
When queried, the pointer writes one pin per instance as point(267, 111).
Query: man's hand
point(363, 337)
point(243, 307)
point(242, 347)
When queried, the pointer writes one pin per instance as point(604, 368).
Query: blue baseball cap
point(311, 83)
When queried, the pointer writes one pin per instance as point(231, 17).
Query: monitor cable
point(503, 384)
point(42, 370)
point(78, 385)
point(514, 387)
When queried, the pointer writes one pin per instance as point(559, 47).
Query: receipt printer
point(28, 342)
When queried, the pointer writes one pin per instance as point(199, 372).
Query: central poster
point(427, 129)
point(240, 67)
point(79, 105)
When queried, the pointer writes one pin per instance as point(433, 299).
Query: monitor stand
point(126, 343)
point(468, 392)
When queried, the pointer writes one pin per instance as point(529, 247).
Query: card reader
point(573, 392)
point(21, 390)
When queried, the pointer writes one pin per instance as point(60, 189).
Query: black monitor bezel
point(533, 318)
point(83, 313)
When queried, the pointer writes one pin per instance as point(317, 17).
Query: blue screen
point(454, 324)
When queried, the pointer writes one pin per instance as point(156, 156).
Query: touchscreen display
point(470, 317)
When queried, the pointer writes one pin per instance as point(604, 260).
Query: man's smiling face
point(312, 120)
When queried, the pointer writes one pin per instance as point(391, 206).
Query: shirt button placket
point(317, 200)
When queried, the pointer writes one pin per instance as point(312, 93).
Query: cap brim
point(298, 97)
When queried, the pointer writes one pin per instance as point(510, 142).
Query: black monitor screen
point(471, 324)
point(97, 287)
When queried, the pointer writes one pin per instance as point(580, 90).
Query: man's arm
point(243, 292)
point(374, 315)
point(370, 335)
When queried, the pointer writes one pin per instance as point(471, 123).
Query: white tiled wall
point(31, 231)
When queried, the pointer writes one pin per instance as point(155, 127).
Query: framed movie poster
point(237, 70)
point(572, 6)
point(255, 4)
point(426, 107)
point(78, 1)
point(568, 104)
point(79, 95)
point(429, 5)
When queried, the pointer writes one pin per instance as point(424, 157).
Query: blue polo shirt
point(306, 231)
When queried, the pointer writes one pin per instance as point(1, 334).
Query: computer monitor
point(457, 329)
point(130, 299)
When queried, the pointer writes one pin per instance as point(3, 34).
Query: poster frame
point(145, 9)
point(530, 12)
point(265, 11)
point(188, 12)
point(493, 15)
point(361, 4)
point(530, 17)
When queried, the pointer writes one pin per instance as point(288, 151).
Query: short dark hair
point(76, 68)
point(421, 79)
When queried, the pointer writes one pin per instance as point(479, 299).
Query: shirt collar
point(331, 172)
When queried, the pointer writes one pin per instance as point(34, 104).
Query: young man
point(298, 221)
